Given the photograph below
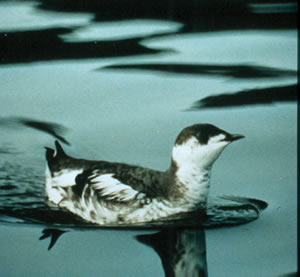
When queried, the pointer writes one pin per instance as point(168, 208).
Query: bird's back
point(97, 190)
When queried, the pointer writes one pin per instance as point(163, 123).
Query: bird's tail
point(54, 156)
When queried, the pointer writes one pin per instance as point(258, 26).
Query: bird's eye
point(202, 137)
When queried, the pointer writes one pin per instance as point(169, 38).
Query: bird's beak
point(234, 137)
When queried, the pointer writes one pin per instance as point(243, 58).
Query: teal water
point(114, 106)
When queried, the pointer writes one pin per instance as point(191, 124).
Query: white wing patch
point(65, 178)
point(112, 189)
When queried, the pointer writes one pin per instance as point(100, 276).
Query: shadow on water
point(233, 71)
point(265, 96)
point(46, 45)
point(248, 97)
point(196, 16)
point(54, 129)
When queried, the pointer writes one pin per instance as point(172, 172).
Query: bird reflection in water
point(182, 251)
point(54, 235)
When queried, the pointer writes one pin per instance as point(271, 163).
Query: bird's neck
point(193, 183)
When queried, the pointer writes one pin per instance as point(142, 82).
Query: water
point(118, 83)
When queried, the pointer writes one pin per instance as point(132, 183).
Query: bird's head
point(201, 145)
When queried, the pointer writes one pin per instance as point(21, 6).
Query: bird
point(112, 193)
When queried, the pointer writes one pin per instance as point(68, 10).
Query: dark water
point(117, 80)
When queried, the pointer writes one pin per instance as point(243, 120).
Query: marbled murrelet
point(103, 192)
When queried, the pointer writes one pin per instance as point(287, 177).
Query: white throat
point(192, 174)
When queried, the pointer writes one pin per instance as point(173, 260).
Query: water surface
point(119, 84)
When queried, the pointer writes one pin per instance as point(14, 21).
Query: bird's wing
point(107, 186)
